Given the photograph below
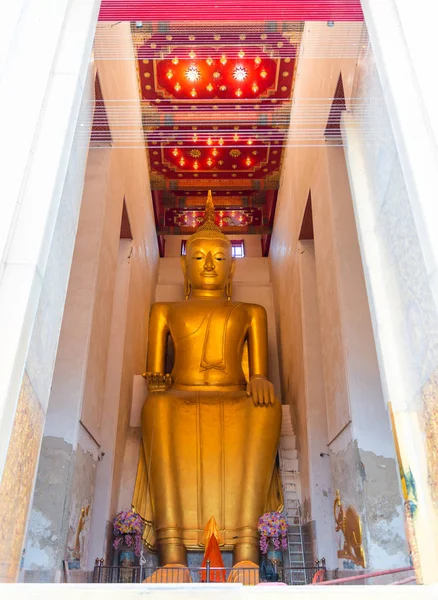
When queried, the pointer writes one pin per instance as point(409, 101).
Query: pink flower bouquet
point(128, 530)
point(272, 528)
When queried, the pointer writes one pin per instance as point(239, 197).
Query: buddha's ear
point(232, 268)
point(184, 265)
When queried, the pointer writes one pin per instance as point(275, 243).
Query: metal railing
point(207, 574)
point(364, 576)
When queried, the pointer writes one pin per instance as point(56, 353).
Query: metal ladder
point(292, 506)
point(295, 548)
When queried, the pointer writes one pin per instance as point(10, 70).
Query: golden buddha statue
point(209, 433)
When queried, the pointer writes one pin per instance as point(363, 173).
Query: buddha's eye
point(220, 258)
point(197, 257)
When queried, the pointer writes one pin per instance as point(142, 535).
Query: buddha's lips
point(208, 274)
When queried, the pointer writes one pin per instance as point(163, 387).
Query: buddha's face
point(208, 264)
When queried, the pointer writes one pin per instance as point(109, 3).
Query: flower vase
point(275, 555)
point(126, 556)
point(126, 562)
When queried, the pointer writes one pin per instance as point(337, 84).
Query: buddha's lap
point(224, 417)
point(236, 401)
point(223, 436)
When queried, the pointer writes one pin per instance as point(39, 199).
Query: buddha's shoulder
point(162, 307)
point(167, 307)
point(254, 309)
point(172, 307)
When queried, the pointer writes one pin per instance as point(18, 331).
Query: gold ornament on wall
point(349, 523)
point(76, 550)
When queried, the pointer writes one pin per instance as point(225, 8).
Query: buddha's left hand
point(261, 390)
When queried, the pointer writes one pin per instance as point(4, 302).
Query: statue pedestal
point(194, 559)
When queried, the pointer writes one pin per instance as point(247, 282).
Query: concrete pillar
point(360, 441)
point(314, 450)
point(49, 519)
point(402, 41)
point(39, 111)
point(392, 183)
point(101, 525)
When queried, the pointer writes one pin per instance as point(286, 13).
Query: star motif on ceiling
point(235, 153)
point(193, 74)
point(240, 73)
point(195, 153)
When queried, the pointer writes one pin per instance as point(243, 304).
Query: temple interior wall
point(41, 192)
point(357, 435)
point(322, 352)
point(401, 289)
point(252, 244)
point(102, 345)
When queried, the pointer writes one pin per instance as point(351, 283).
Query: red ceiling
point(223, 130)
point(216, 80)
point(245, 211)
point(216, 144)
point(225, 217)
point(231, 10)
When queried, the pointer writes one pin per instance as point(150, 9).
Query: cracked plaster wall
point(393, 239)
point(81, 404)
point(362, 460)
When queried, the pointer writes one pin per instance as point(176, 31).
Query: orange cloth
point(245, 572)
point(213, 554)
point(170, 574)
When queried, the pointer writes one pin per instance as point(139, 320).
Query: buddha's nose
point(209, 263)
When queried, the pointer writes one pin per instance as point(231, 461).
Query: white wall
point(41, 191)
point(359, 439)
point(253, 245)
point(400, 284)
point(78, 433)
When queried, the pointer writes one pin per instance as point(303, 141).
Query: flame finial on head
point(208, 229)
point(209, 208)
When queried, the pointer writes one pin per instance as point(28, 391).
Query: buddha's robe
point(207, 450)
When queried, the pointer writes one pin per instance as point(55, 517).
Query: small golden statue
point(209, 435)
point(76, 550)
point(349, 523)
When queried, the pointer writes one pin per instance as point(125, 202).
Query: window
point(237, 248)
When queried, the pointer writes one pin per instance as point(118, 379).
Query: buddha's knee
point(269, 414)
point(156, 403)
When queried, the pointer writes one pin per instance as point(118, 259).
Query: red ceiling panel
point(240, 82)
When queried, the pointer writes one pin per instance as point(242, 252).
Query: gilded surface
point(77, 550)
point(430, 400)
point(17, 481)
point(210, 437)
point(349, 523)
point(410, 500)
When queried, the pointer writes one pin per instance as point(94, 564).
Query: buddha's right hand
point(158, 381)
point(261, 390)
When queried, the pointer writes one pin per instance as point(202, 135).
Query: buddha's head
point(208, 264)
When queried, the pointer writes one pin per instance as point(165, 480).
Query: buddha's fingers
point(267, 394)
point(272, 396)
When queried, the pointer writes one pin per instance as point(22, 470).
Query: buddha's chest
point(194, 322)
